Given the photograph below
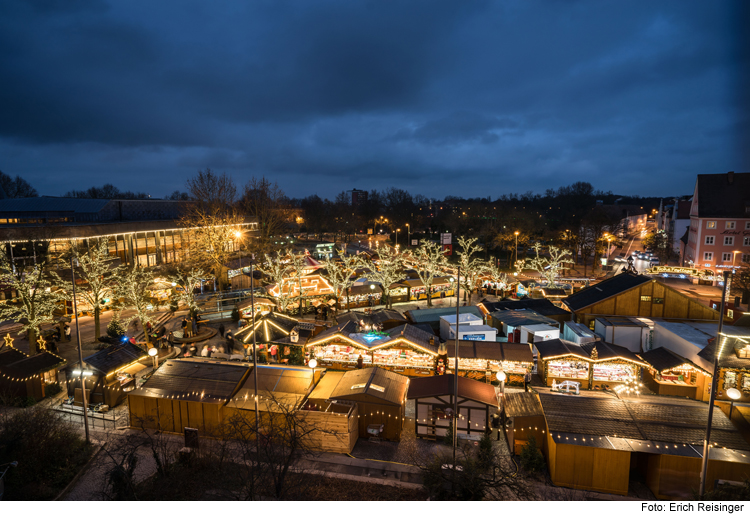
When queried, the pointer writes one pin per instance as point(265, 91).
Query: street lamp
point(516, 234)
point(501, 376)
point(397, 230)
point(734, 394)
point(408, 235)
point(312, 363)
point(153, 354)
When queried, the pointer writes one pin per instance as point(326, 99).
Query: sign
point(414, 242)
point(445, 238)
point(369, 231)
point(448, 249)
point(473, 337)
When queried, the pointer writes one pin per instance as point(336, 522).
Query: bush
point(532, 459)
point(296, 356)
point(115, 329)
point(52, 389)
point(48, 450)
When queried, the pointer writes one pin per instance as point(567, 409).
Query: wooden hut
point(108, 374)
point(186, 394)
point(541, 306)
point(600, 443)
point(277, 333)
point(482, 360)
point(524, 418)
point(380, 319)
point(734, 363)
point(628, 294)
point(432, 316)
point(25, 376)
point(380, 397)
point(434, 403)
point(670, 374)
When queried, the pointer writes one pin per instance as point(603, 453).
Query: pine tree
point(115, 328)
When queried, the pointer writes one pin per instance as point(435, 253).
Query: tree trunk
point(97, 310)
point(31, 336)
point(428, 291)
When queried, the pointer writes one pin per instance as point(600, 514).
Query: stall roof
point(437, 386)
point(620, 321)
point(728, 357)
point(605, 351)
point(604, 290)
point(433, 315)
point(373, 381)
point(376, 317)
point(541, 306)
point(516, 318)
point(554, 348)
point(327, 385)
point(372, 340)
point(658, 420)
point(272, 327)
point(522, 404)
point(662, 359)
point(276, 384)
point(497, 351)
point(194, 380)
point(15, 364)
point(115, 356)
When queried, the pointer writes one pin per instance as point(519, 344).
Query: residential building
point(719, 236)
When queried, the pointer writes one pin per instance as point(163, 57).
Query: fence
point(74, 415)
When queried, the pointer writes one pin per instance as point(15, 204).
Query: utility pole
point(455, 377)
point(80, 355)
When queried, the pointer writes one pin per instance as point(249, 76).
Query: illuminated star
point(8, 340)
point(41, 343)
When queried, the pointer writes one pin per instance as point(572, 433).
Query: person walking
point(184, 350)
point(221, 330)
point(526, 381)
point(230, 343)
point(183, 324)
point(195, 327)
point(67, 332)
point(170, 341)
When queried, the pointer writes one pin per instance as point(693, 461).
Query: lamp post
point(501, 376)
point(714, 382)
point(408, 235)
point(734, 394)
point(397, 230)
point(80, 354)
point(516, 234)
point(153, 353)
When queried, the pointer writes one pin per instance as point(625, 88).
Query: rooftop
point(468, 388)
point(603, 290)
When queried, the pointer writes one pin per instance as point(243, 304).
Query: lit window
point(710, 240)
point(708, 256)
point(377, 388)
point(726, 256)
point(747, 225)
point(730, 224)
point(729, 241)
point(730, 314)
point(711, 224)
point(746, 257)
point(645, 298)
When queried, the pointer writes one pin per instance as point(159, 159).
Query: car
point(654, 260)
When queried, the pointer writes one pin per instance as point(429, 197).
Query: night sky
point(460, 98)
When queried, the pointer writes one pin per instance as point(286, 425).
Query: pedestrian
point(148, 327)
point(230, 343)
point(221, 330)
point(360, 362)
point(170, 341)
point(526, 381)
point(195, 327)
point(184, 350)
point(67, 332)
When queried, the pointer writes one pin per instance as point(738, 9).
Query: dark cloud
point(636, 97)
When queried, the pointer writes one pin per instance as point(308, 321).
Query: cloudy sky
point(462, 98)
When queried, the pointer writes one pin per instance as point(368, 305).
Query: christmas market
point(670, 374)
point(24, 376)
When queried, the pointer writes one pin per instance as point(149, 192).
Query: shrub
point(532, 459)
point(52, 389)
point(115, 329)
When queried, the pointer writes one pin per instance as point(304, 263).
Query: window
point(746, 241)
point(710, 240)
point(708, 256)
point(711, 224)
point(658, 301)
point(730, 224)
point(746, 257)
point(645, 298)
point(729, 240)
point(747, 224)
point(730, 314)
point(726, 256)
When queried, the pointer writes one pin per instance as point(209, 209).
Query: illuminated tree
point(388, 269)
point(471, 267)
point(341, 273)
point(37, 295)
point(99, 273)
point(431, 259)
point(279, 270)
point(549, 267)
point(132, 291)
point(494, 275)
point(186, 278)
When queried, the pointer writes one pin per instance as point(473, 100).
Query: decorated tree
point(431, 259)
point(388, 269)
point(279, 270)
point(37, 292)
point(341, 273)
point(297, 263)
point(132, 291)
point(185, 278)
point(496, 276)
point(549, 267)
point(471, 267)
point(98, 273)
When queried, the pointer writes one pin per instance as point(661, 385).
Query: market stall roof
point(372, 340)
point(607, 351)
point(728, 357)
point(662, 359)
point(554, 292)
point(327, 385)
point(556, 348)
point(604, 290)
point(257, 301)
point(276, 385)
point(437, 281)
point(194, 380)
point(272, 327)
point(433, 315)
point(497, 351)
point(592, 351)
point(362, 289)
point(516, 318)
point(377, 383)
point(621, 321)
point(522, 404)
point(376, 317)
point(541, 306)
point(15, 364)
point(655, 420)
point(468, 388)
point(115, 356)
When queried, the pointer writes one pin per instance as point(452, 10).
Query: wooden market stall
point(186, 393)
point(441, 287)
point(380, 396)
point(734, 363)
point(523, 418)
point(404, 349)
point(108, 374)
point(277, 336)
point(482, 360)
point(434, 406)
point(25, 376)
point(670, 374)
point(380, 319)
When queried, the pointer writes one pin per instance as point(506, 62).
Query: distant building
point(719, 236)
point(359, 197)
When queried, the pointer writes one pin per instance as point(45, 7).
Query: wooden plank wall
point(524, 427)
point(677, 478)
point(390, 416)
point(589, 468)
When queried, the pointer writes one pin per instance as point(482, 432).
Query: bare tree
point(388, 269)
point(36, 287)
point(471, 267)
point(549, 267)
point(279, 270)
point(431, 259)
point(186, 278)
point(496, 276)
point(132, 289)
point(266, 202)
point(342, 273)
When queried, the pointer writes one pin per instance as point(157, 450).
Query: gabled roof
point(276, 384)
point(371, 340)
point(605, 351)
point(541, 306)
point(368, 382)
point(723, 195)
point(604, 290)
point(437, 386)
point(17, 365)
point(115, 357)
point(433, 315)
point(728, 356)
point(554, 348)
point(522, 404)
point(376, 317)
point(516, 318)
point(497, 351)
point(269, 328)
point(662, 359)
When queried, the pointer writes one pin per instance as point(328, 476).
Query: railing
point(74, 414)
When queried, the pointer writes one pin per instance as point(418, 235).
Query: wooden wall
point(333, 432)
point(391, 416)
point(524, 427)
point(676, 306)
point(474, 417)
point(678, 478)
point(588, 468)
point(171, 415)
